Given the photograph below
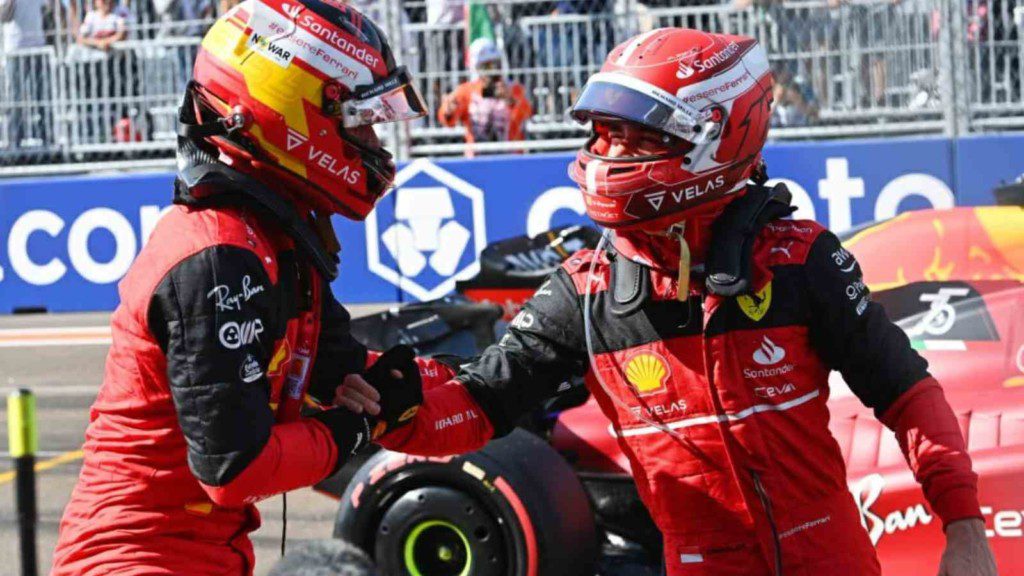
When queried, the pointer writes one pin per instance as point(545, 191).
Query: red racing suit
point(751, 482)
point(224, 328)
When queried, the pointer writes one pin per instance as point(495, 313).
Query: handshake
point(369, 405)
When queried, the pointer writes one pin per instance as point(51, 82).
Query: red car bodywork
point(954, 280)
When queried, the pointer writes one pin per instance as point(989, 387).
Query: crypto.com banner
point(65, 242)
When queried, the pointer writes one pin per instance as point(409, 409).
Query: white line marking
point(69, 336)
point(955, 345)
point(700, 420)
point(41, 453)
point(58, 391)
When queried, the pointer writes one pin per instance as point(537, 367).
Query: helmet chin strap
point(683, 279)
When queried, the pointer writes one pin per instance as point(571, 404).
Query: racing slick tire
point(514, 508)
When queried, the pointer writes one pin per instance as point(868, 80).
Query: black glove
point(351, 432)
point(400, 398)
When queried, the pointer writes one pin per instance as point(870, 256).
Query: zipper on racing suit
point(762, 494)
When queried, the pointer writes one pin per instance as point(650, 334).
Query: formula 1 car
point(556, 497)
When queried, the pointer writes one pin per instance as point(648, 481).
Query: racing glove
point(351, 432)
point(400, 397)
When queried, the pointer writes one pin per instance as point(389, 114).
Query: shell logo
point(647, 372)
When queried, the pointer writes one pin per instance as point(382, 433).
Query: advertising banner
point(65, 242)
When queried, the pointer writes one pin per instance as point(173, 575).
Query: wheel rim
point(437, 548)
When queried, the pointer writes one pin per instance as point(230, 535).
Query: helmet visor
point(620, 96)
point(393, 99)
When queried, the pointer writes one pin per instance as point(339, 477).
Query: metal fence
point(842, 68)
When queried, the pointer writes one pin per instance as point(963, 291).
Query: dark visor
point(637, 102)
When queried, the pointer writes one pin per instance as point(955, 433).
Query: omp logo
point(291, 10)
point(234, 335)
point(647, 372)
point(295, 139)
point(431, 233)
point(768, 353)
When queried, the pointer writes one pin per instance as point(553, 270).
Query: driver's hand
point(356, 394)
point(391, 390)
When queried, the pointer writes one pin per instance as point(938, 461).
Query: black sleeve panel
point(337, 353)
point(543, 348)
point(853, 334)
point(214, 317)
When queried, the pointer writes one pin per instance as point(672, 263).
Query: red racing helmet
point(707, 94)
point(288, 91)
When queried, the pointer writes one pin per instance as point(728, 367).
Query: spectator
point(103, 76)
point(446, 11)
point(22, 29)
point(224, 6)
point(182, 17)
point(789, 106)
point(102, 26)
point(22, 24)
point(491, 108)
point(575, 43)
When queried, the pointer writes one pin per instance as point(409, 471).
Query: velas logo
point(299, 144)
point(430, 234)
point(295, 139)
point(647, 372)
point(688, 193)
point(768, 353)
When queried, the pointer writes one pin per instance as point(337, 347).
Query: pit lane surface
point(60, 357)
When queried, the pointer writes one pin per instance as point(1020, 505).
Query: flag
point(478, 24)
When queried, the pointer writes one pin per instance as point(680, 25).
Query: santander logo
point(291, 10)
point(689, 64)
point(769, 353)
point(685, 69)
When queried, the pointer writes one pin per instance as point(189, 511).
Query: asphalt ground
point(60, 358)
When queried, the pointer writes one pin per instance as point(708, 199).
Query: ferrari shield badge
point(756, 306)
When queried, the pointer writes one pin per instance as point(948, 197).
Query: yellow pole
point(23, 440)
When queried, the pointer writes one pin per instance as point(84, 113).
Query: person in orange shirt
point(491, 108)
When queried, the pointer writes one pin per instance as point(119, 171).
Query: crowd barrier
point(64, 243)
point(849, 68)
